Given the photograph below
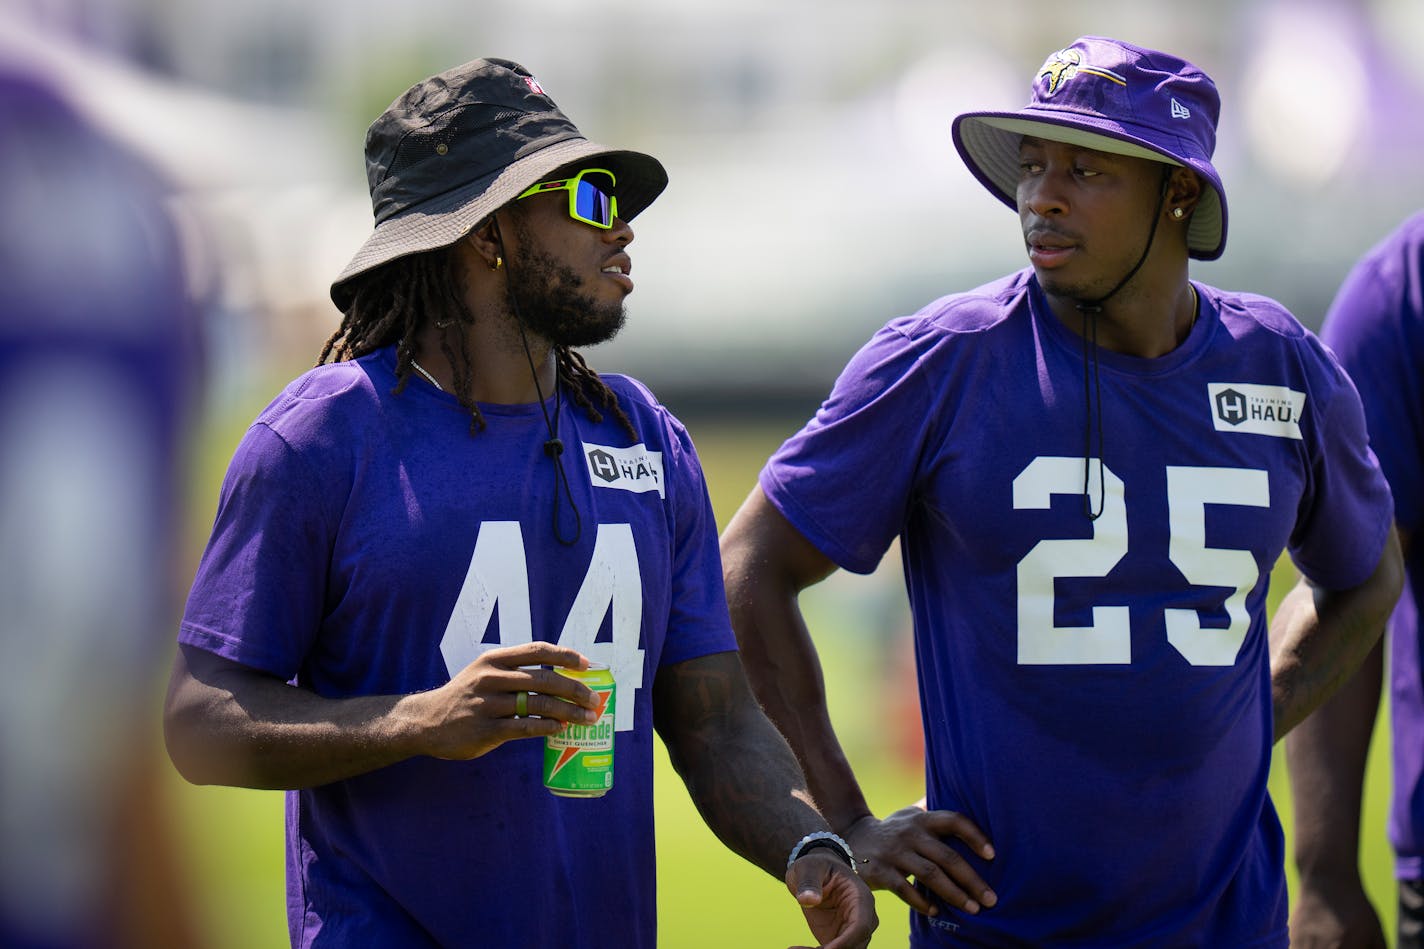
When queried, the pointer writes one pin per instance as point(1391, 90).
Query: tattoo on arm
point(738, 769)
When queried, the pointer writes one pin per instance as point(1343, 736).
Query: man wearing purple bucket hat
point(414, 537)
point(1092, 466)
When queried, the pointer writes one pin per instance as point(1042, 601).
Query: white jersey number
point(1108, 639)
point(499, 576)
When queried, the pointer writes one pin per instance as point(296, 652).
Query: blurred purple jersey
point(98, 370)
point(1376, 326)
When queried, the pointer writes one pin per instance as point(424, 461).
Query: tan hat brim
point(989, 145)
point(444, 219)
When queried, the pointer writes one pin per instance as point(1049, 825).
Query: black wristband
point(827, 844)
point(826, 839)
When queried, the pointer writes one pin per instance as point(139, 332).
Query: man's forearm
point(766, 564)
point(245, 730)
point(738, 769)
point(1325, 757)
point(786, 677)
point(1319, 637)
point(227, 723)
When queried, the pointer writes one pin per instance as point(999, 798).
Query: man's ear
point(484, 238)
point(1184, 190)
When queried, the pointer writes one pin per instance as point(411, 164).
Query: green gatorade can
point(578, 759)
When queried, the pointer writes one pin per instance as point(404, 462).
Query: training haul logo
point(1257, 410)
point(628, 469)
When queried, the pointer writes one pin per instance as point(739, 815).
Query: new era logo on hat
point(1111, 96)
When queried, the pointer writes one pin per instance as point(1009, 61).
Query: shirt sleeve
point(846, 481)
point(698, 622)
point(1376, 327)
point(257, 596)
point(1348, 511)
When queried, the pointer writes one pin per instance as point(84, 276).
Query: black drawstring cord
point(1090, 396)
point(554, 447)
point(1093, 408)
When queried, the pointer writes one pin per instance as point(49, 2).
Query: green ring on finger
point(521, 704)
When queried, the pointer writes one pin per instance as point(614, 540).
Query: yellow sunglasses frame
point(571, 186)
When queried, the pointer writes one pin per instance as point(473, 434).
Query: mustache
point(1037, 232)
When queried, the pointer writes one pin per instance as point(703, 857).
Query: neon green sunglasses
point(588, 202)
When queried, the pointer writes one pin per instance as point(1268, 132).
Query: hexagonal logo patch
point(627, 469)
point(1256, 409)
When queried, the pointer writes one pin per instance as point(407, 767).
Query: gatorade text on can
point(578, 759)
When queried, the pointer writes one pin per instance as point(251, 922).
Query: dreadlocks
point(389, 304)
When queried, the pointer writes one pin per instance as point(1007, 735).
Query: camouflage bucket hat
point(460, 145)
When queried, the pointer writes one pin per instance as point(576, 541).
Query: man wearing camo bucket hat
point(414, 536)
point(1091, 466)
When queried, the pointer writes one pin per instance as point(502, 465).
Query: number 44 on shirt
point(499, 575)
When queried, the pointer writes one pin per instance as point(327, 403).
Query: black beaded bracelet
point(822, 838)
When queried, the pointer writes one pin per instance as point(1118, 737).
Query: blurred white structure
point(814, 189)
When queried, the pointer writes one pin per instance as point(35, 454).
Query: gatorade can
point(578, 759)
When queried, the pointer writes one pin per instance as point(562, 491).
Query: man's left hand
point(839, 907)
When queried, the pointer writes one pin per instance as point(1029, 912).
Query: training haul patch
point(1256, 409)
point(628, 469)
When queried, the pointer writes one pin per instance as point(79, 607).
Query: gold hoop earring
point(498, 263)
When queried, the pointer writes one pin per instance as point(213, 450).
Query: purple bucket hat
point(460, 145)
point(1114, 97)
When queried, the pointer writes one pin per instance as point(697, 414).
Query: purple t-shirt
point(367, 544)
point(1095, 694)
point(1376, 325)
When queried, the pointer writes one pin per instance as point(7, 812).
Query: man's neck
point(500, 365)
point(1145, 325)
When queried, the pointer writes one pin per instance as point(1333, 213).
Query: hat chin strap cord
point(1092, 383)
point(554, 447)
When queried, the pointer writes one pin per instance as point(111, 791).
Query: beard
point(1079, 291)
point(552, 302)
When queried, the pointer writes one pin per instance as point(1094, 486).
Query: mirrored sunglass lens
point(593, 203)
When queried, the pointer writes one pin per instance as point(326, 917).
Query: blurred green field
point(707, 896)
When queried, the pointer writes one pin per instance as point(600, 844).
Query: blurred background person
point(1376, 326)
point(98, 365)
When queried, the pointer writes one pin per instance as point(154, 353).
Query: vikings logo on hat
point(1067, 63)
